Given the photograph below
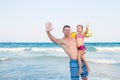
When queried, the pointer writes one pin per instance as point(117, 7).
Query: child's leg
point(80, 54)
point(79, 62)
point(86, 63)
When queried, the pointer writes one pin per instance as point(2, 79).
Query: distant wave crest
point(108, 48)
point(3, 59)
point(30, 49)
point(92, 49)
point(104, 61)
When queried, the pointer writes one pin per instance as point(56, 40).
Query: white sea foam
point(107, 48)
point(31, 49)
point(3, 59)
point(99, 78)
point(12, 49)
point(48, 49)
point(104, 61)
point(104, 49)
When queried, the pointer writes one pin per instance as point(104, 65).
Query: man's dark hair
point(66, 26)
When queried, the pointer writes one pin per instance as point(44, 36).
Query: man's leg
point(74, 70)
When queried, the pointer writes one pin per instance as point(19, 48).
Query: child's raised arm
point(86, 31)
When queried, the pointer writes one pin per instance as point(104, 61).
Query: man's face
point(66, 31)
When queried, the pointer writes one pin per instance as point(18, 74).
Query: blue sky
point(24, 20)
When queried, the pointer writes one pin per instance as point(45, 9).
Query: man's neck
point(66, 37)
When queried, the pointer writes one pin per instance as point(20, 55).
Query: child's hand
point(87, 25)
point(80, 71)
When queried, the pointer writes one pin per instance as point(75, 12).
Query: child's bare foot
point(80, 71)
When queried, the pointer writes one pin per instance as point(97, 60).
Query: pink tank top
point(80, 36)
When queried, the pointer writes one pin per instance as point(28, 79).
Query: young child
point(81, 48)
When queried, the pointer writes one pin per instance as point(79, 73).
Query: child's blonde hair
point(80, 26)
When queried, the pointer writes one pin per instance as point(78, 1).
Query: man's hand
point(48, 27)
point(52, 38)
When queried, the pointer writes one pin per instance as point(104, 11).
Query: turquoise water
point(47, 61)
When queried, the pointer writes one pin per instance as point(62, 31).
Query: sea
point(48, 61)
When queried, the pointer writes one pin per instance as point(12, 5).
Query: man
point(70, 48)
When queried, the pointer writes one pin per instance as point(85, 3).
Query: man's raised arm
point(52, 38)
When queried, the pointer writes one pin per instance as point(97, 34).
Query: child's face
point(79, 29)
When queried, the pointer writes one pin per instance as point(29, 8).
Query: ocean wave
point(107, 48)
point(12, 49)
point(3, 59)
point(31, 49)
point(99, 78)
point(104, 61)
point(48, 49)
point(91, 49)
